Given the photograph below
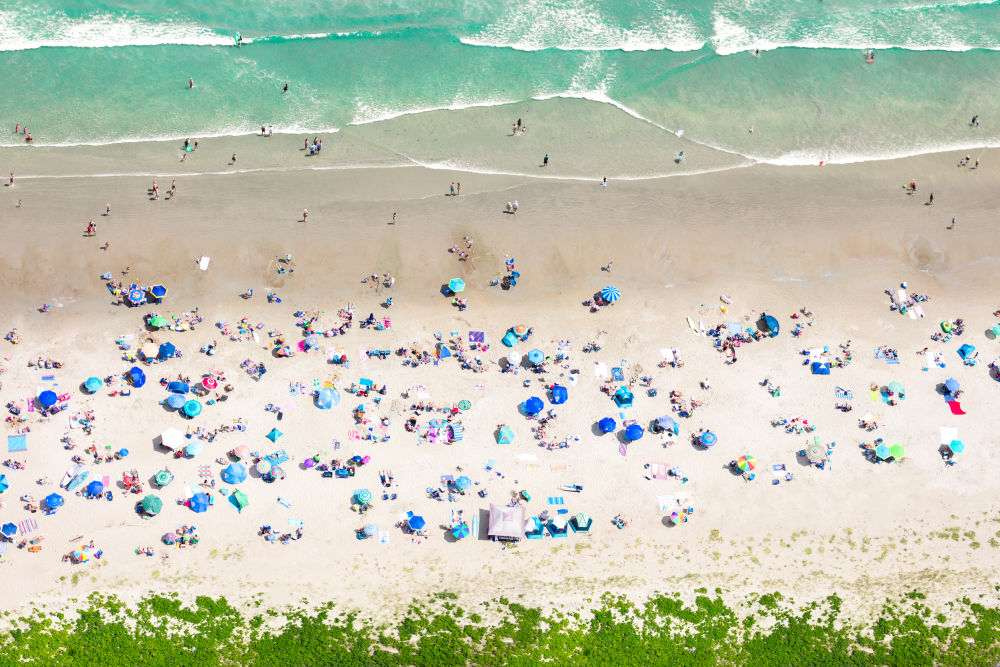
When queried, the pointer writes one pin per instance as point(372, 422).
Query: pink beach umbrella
point(209, 382)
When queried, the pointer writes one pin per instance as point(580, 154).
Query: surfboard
point(237, 39)
point(701, 327)
point(691, 324)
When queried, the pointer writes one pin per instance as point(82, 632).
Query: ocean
point(613, 87)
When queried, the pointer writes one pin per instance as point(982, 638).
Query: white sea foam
point(21, 30)
point(577, 25)
point(366, 112)
point(232, 131)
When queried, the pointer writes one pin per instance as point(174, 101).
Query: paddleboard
point(702, 329)
point(70, 474)
point(78, 480)
point(691, 324)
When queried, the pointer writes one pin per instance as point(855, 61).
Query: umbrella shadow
point(484, 525)
point(665, 520)
point(942, 389)
point(595, 429)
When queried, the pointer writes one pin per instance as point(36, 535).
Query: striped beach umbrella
point(746, 463)
point(611, 294)
point(363, 495)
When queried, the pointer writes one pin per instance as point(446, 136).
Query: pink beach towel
point(31, 404)
point(956, 409)
point(658, 470)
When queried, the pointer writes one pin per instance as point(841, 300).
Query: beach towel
point(27, 525)
point(919, 311)
point(658, 470)
point(840, 392)
point(296, 522)
point(556, 500)
point(3, 548)
point(203, 263)
point(928, 360)
point(489, 464)
point(383, 537)
point(558, 467)
point(477, 337)
point(106, 481)
point(912, 314)
point(600, 370)
point(616, 373)
point(623, 449)
point(956, 408)
point(948, 434)
point(562, 511)
point(49, 378)
point(533, 467)
point(879, 353)
point(17, 443)
point(666, 503)
point(353, 435)
point(31, 404)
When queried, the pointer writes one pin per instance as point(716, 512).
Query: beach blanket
point(658, 470)
point(27, 525)
point(556, 500)
point(17, 443)
point(956, 408)
point(840, 392)
point(489, 464)
point(3, 548)
point(533, 467)
point(477, 337)
point(600, 370)
point(296, 522)
point(666, 503)
point(558, 467)
point(948, 434)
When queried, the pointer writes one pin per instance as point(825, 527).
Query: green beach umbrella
point(897, 451)
point(159, 321)
point(363, 496)
point(239, 499)
point(464, 405)
point(152, 505)
point(164, 477)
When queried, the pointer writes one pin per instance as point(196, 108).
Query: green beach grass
point(764, 630)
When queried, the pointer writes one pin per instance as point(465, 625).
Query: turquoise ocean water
point(101, 72)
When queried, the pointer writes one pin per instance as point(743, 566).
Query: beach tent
point(199, 502)
point(274, 435)
point(967, 352)
point(769, 324)
point(136, 377)
point(509, 339)
point(239, 500)
point(536, 356)
point(611, 294)
point(47, 399)
point(506, 523)
point(442, 351)
point(505, 436)
point(177, 387)
point(607, 425)
point(581, 523)
point(533, 406)
point(93, 384)
point(326, 398)
point(623, 397)
point(234, 473)
point(152, 505)
point(167, 350)
point(559, 394)
point(820, 368)
point(172, 439)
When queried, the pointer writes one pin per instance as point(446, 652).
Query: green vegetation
point(768, 630)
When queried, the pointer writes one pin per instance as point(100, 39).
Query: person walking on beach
point(930, 202)
point(234, 154)
point(607, 267)
point(107, 210)
point(952, 226)
point(11, 183)
point(393, 217)
point(452, 190)
point(515, 206)
point(305, 215)
point(545, 160)
point(458, 189)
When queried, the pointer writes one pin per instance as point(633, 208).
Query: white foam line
point(230, 172)
point(455, 106)
point(233, 132)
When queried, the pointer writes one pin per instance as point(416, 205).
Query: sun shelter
point(611, 294)
point(136, 376)
point(952, 385)
point(47, 399)
point(158, 291)
point(667, 423)
point(559, 394)
point(176, 401)
point(769, 324)
point(968, 354)
point(192, 408)
point(326, 398)
point(158, 321)
point(623, 397)
point(194, 448)
point(171, 439)
point(536, 356)
point(457, 432)
point(274, 435)
point(152, 505)
point(607, 425)
point(234, 473)
point(54, 501)
point(510, 339)
point(4, 484)
point(708, 439)
point(506, 523)
point(93, 384)
point(239, 500)
point(456, 285)
point(820, 368)
point(167, 351)
point(581, 523)
point(178, 387)
point(505, 436)
point(163, 477)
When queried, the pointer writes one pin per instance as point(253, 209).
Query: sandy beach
point(831, 240)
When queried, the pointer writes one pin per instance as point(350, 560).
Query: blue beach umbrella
point(176, 401)
point(159, 291)
point(956, 446)
point(167, 350)
point(177, 387)
point(123, 452)
point(95, 488)
point(327, 398)
point(9, 529)
point(951, 384)
point(883, 451)
point(47, 398)
point(611, 294)
point(4, 484)
point(708, 439)
point(194, 448)
point(463, 483)
point(93, 384)
point(192, 408)
point(456, 284)
point(363, 495)
point(533, 406)
point(234, 473)
point(53, 501)
point(417, 522)
point(536, 356)
point(607, 425)
point(371, 530)
point(460, 531)
point(634, 432)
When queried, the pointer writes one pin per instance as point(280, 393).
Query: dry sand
point(774, 239)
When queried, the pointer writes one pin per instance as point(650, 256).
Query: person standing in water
point(191, 83)
point(285, 89)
